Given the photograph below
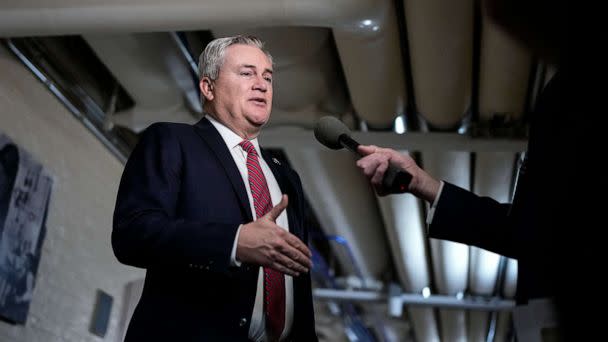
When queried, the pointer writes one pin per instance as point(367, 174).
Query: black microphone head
point(328, 131)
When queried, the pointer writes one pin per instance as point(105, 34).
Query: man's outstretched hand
point(262, 242)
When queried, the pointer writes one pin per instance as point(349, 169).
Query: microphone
point(332, 133)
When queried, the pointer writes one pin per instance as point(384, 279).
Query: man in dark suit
point(202, 209)
point(558, 196)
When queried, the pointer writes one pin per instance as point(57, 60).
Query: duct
point(373, 68)
point(405, 231)
point(503, 75)
point(424, 324)
point(365, 31)
point(450, 259)
point(158, 82)
point(407, 240)
point(493, 178)
point(343, 200)
point(440, 35)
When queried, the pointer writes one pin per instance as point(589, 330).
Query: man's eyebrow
point(254, 67)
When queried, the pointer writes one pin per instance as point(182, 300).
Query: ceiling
point(431, 78)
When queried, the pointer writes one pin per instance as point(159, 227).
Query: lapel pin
point(276, 161)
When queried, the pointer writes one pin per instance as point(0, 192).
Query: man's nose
point(260, 84)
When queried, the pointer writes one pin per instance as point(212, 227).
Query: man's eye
point(269, 79)
point(246, 73)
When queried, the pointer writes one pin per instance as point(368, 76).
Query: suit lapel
point(212, 137)
point(287, 187)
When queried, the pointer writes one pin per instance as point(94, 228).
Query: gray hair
point(212, 58)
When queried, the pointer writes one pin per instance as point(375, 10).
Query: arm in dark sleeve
point(146, 230)
point(462, 216)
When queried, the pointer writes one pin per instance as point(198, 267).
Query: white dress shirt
point(257, 330)
point(429, 218)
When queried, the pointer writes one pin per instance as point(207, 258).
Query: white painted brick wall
point(77, 258)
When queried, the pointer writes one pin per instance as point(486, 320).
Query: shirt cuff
point(233, 261)
point(429, 218)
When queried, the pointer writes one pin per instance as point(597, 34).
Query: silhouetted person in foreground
point(552, 226)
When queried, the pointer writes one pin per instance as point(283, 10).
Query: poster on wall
point(25, 188)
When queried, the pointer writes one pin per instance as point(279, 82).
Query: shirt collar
point(231, 139)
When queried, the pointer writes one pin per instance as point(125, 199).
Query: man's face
point(241, 96)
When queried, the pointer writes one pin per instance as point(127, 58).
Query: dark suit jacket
point(557, 207)
point(180, 202)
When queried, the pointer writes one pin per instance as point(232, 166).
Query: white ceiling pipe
point(450, 259)
point(405, 229)
point(504, 73)
point(493, 177)
point(453, 325)
point(510, 284)
point(440, 35)
point(483, 274)
point(373, 67)
point(503, 327)
point(365, 30)
point(477, 325)
point(482, 278)
point(342, 199)
point(60, 17)
point(424, 324)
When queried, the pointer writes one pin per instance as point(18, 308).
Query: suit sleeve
point(462, 216)
point(146, 230)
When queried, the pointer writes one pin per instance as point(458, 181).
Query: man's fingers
point(301, 259)
point(368, 165)
point(379, 173)
point(367, 149)
point(283, 257)
point(277, 209)
point(300, 246)
point(281, 262)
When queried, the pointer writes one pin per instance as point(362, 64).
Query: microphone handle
point(348, 142)
point(395, 180)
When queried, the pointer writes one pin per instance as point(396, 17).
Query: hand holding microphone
point(386, 177)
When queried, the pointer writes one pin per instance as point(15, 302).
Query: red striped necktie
point(274, 281)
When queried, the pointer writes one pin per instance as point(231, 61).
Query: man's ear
point(206, 87)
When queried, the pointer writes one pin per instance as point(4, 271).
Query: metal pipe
point(472, 303)
point(120, 154)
